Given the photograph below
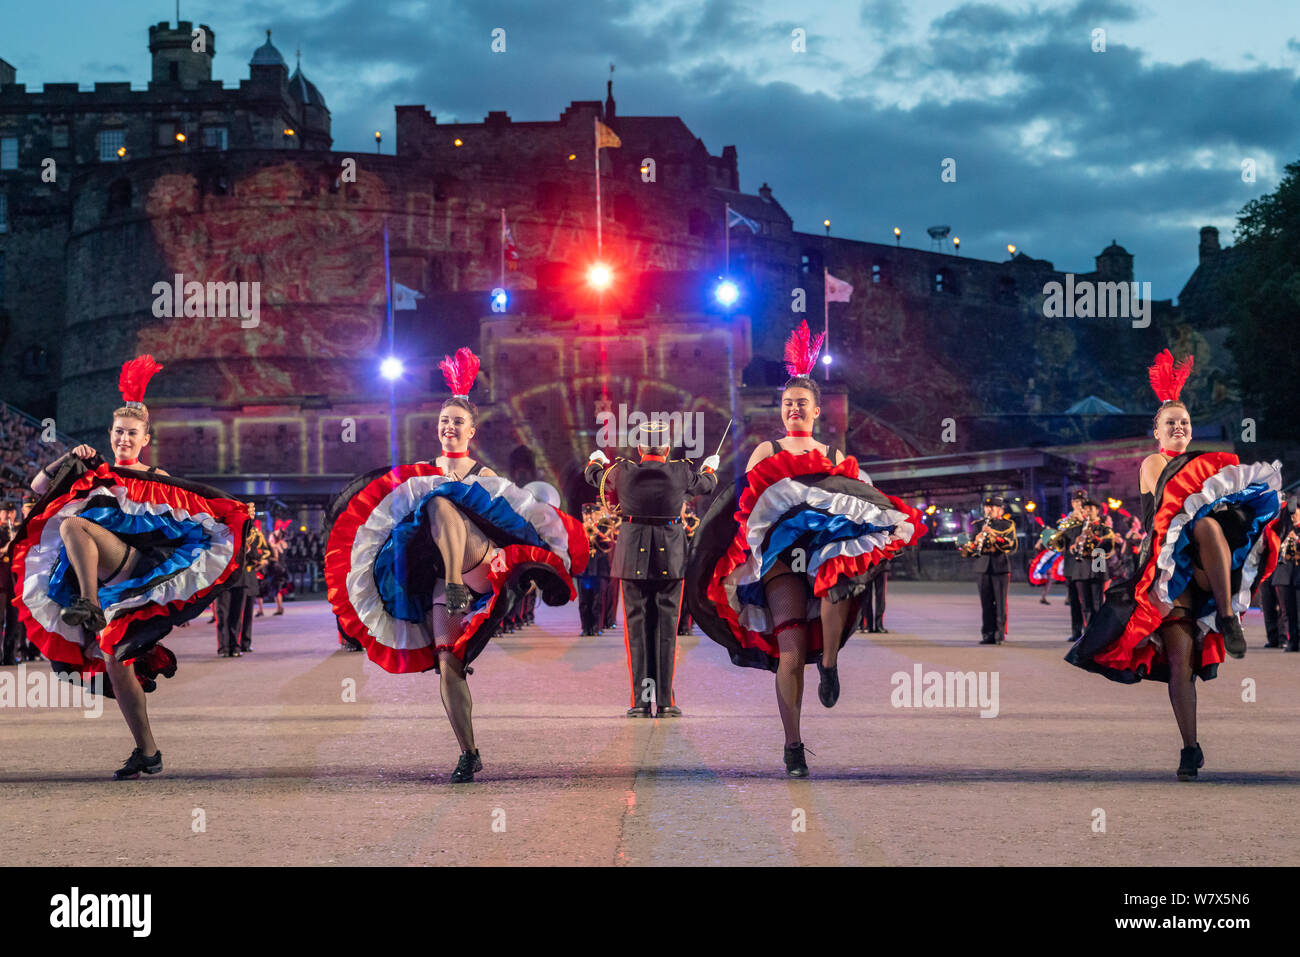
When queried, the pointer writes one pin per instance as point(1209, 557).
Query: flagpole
point(503, 247)
point(392, 383)
point(595, 129)
point(726, 232)
point(826, 319)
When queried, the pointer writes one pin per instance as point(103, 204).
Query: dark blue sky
point(1059, 149)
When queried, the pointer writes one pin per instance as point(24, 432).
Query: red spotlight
point(599, 276)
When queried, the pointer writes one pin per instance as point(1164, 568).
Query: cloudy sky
point(1058, 148)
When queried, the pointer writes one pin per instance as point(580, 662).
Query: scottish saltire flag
point(735, 219)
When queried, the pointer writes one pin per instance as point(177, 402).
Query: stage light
point(931, 510)
point(826, 359)
point(180, 137)
point(1011, 248)
point(1114, 502)
point(121, 151)
point(599, 276)
point(1030, 505)
point(499, 299)
point(458, 142)
point(391, 368)
point(288, 132)
point(726, 292)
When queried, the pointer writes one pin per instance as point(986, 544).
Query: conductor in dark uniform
point(993, 539)
point(650, 557)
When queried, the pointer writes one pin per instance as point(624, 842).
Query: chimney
point(765, 192)
point(1209, 243)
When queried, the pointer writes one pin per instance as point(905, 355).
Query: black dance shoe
point(458, 598)
point(1043, 601)
point(988, 640)
point(469, 763)
point(138, 764)
point(669, 711)
point(86, 613)
point(795, 765)
point(641, 712)
point(1189, 760)
point(1291, 646)
point(1233, 639)
point(828, 688)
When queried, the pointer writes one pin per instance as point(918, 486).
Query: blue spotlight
point(391, 368)
point(499, 299)
point(726, 292)
point(826, 359)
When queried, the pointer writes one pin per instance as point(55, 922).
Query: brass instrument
point(1290, 552)
point(601, 528)
point(1059, 541)
point(611, 508)
point(1094, 534)
point(689, 519)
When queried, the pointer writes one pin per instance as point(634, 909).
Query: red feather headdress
point(281, 524)
point(135, 377)
point(1168, 377)
point(459, 371)
point(800, 353)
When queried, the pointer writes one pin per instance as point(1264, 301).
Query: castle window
point(1007, 288)
point(119, 195)
point(214, 137)
point(699, 223)
point(110, 141)
point(4, 213)
point(36, 361)
point(9, 152)
point(939, 278)
point(174, 71)
point(166, 133)
point(2, 276)
point(877, 273)
point(59, 136)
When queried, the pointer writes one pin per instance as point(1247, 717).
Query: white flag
point(837, 290)
point(405, 297)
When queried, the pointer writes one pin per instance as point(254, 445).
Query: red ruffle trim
point(1124, 653)
point(762, 476)
point(231, 513)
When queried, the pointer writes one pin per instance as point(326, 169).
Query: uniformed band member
point(1087, 574)
point(593, 584)
point(1285, 579)
point(691, 521)
point(650, 557)
point(1067, 532)
point(994, 539)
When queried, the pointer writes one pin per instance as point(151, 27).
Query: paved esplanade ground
point(285, 771)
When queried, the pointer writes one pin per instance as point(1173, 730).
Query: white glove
point(599, 456)
point(712, 462)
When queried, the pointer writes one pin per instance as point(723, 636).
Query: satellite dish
point(939, 232)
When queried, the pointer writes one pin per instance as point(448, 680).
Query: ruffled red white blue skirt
point(805, 511)
point(1047, 564)
point(383, 571)
point(192, 539)
point(1121, 640)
